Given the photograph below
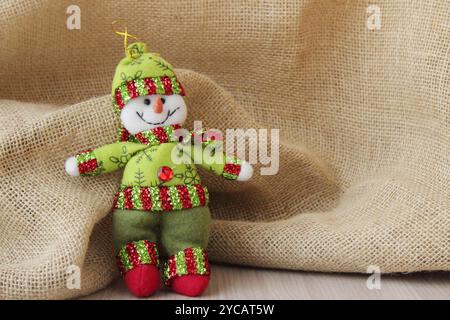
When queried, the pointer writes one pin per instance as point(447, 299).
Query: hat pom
point(136, 49)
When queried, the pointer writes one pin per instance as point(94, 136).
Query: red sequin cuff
point(188, 261)
point(232, 168)
point(137, 253)
point(88, 165)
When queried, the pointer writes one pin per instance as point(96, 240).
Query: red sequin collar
point(167, 134)
point(154, 136)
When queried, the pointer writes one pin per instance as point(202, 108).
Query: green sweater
point(159, 171)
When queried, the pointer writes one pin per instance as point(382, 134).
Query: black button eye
point(163, 100)
point(147, 101)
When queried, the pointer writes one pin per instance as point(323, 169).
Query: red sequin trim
point(146, 199)
point(165, 199)
point(184, 263)
point(151, 86)
point(131, 88)
point(133, 256)
point(141, 138)
point(190, 261)
point(232, 168)
point(164, 195)
point(157, 135)
point(168, 87)
point(151, 248)
point(201, 194)
point(160, 134)
point(128, 202)
point(184, 196)
point(124, 135)
point(119, 101)
point(167, 83)
point(88, 166)
point(172, 267)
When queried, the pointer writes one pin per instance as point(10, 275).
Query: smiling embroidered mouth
point(169, 114)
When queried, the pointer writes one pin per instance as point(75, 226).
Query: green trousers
point(173, 231)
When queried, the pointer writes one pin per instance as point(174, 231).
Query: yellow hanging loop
point(125, 36)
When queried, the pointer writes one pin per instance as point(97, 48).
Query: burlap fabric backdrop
point(364, 118)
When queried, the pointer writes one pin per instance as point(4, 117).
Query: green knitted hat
point(142, 73)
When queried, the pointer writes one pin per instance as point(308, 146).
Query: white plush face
point(147, 112)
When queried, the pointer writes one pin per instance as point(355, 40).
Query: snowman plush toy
point(161, 218)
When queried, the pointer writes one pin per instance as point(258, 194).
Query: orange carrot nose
point(158, 106)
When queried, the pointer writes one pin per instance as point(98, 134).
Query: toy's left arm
point(229, 167)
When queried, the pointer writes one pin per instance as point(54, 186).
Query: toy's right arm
point(108, 158)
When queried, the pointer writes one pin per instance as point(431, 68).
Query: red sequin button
point(165, 173)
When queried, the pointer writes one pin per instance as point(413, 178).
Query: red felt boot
point(187, 272)
point(190, 285)
point(138, 263)
point(143, 280)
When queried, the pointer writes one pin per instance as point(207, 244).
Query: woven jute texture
point(364, 119)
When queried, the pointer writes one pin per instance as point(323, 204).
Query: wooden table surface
point(231, 282)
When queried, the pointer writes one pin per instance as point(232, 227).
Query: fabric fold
point(363, 116)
